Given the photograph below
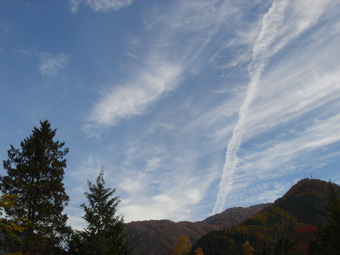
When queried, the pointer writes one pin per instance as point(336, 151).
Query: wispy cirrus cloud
point(288, 95)
point(299, 17)
point(162, 65)
point(135, 96)
point(100, 5)
point(50, 65)
point(161, 182)
point(271, 22)
point(285, 154)
point(185, 140)
point(5, 27)
point(168, 193)
point(163, 178)
point(88, 169)
point(293, 123)
point(163, 93)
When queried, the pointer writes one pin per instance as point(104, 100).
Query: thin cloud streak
point(271, 22)
point(290, 152)
point(50, 65)
point(5, 27)
point(108, 5)
point(100, 5)
point(301, 16)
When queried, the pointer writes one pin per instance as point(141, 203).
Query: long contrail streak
point(271, 22)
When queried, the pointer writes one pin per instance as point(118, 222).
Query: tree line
point(33, 199)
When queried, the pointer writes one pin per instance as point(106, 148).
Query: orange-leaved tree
point(182, 247)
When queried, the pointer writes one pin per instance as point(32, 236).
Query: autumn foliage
point(289, 226)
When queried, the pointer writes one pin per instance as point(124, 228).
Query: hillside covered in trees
point(160, 236)
point(290, 225)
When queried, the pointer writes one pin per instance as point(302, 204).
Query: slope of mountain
point(282, 228)
point(306, 200)
point(159, 236)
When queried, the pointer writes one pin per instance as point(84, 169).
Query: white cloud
point(153, 163)
point(300, 17)
point(167, 173)
point(133, 184)
point(259, 191)
point(160, 182)
point(50, 65)
point(88, 169)
point(167, 88)
point(296, 97)
point(5, 27)
point(108, 5)
point(170, 205)
point(301, 87)
point(284, 155)
point(100, 5)
point(177, 143)
point(77, 222)
point(271, 22)
point(162, 65)
point(74, 5)
point(134, 97)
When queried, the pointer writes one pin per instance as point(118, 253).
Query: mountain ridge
point(159, 236)
point(284, 227)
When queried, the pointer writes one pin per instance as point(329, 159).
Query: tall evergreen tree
point(35, 174)
point(104, 234)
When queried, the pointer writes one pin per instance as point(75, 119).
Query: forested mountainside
point(285, 227)
point(159, 236)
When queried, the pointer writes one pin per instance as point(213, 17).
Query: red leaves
point(310, 229)
point(305, 234)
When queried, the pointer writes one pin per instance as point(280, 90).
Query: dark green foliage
point(217, 243)
point(332, 227)
point(104, 234)
point(328, 241)
point(35, 173)
point(307, 208)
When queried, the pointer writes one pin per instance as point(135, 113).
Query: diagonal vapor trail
point(271, 22)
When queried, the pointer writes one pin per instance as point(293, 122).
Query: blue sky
point(192, 107)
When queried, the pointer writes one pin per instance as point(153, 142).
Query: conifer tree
point(35, 174)
point(104, 234)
